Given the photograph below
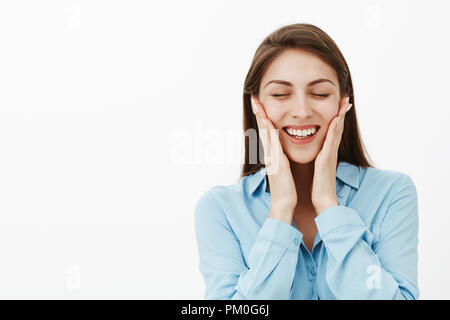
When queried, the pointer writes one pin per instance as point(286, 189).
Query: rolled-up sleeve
point(358, 268)
point(272, 259)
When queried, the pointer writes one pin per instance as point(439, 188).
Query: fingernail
point(337, 120)
point(347, 100)
point(349, 107)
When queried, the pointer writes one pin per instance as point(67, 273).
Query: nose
point(300, 108)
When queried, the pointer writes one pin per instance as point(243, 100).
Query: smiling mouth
point(302, 134)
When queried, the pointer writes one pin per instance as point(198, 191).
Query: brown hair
point(313, 39)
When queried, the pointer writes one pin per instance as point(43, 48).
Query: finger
point(261, 114)
point(340, 126)
point(274, 133)
point(263, 129)
point(259, 108)
point(274, 150)
point(265, 135)
point(343, 105)
point(343, 112)
point(331, 136)
point(336, 127)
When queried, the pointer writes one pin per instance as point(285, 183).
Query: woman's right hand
point(282, 187)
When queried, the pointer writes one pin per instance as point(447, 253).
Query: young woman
point(314, 220)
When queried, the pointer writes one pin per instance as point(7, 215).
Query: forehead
point(299, 67)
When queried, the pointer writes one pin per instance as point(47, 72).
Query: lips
point(301, 141)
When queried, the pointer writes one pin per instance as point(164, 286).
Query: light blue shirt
point(365, 248)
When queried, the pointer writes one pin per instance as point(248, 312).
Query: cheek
point(274, 113)
point(328, 110)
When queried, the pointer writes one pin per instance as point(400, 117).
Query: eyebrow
point(287, 83)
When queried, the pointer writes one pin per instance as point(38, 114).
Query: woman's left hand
point(323, 194)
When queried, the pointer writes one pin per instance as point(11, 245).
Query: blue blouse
point(365, 248)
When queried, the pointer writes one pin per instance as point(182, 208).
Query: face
point(309, 95)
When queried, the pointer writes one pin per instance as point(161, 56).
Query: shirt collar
point(346, 172)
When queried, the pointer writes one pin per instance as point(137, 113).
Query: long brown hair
point(313, 39)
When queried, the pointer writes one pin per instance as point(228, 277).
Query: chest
point(304, 220)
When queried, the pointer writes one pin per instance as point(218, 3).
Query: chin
point(302, 156)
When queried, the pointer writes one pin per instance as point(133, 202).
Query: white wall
point(95, 202)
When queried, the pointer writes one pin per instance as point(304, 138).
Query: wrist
point(325, 206)
point(281, 212)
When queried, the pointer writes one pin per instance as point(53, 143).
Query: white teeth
point(301, 133)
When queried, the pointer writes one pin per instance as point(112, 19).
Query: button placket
point(311, 272)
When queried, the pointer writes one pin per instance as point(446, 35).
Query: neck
point(303, 175)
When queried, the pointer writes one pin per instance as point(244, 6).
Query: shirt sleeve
point(359, 269)
point(272, 259)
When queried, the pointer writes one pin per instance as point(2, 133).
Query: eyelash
point(319, 95)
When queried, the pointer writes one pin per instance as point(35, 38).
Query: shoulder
point(224, 195)
point(393, 191)
point(385, 175)
point(382, 191)
point(389, 181)
point(220, 197)
point(221, 208)
point(220, 194)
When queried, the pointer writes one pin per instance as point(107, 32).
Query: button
point(313, 272)
point(296, 242)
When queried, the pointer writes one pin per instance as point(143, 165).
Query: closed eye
point(321, 95)
point(318, 95)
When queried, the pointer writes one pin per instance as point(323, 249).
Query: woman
point(314, 220)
